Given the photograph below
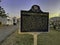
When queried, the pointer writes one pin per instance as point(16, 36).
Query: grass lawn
point(1, 26)
point(19, 39)
point(50, 38)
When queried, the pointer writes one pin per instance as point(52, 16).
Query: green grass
point(50, 38)
point(19, 39)
point(24, 39)
point(1, 26)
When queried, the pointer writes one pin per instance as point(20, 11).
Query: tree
point(2, 12)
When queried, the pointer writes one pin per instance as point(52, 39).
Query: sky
point(14, 7)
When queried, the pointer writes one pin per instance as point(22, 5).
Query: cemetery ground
point(50, 38)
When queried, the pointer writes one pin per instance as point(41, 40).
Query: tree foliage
point(2, 12)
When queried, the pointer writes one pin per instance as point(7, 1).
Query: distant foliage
point(2, 12)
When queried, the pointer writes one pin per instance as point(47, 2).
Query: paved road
point(7, 30)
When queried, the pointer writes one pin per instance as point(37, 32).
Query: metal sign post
point(35, 38)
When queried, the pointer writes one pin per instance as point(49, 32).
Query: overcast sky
point(13, 7)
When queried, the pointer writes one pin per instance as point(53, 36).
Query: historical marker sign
point(34, 20)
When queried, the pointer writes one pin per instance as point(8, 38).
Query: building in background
point(4, 19)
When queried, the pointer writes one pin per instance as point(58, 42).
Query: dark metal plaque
point(34, 20)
